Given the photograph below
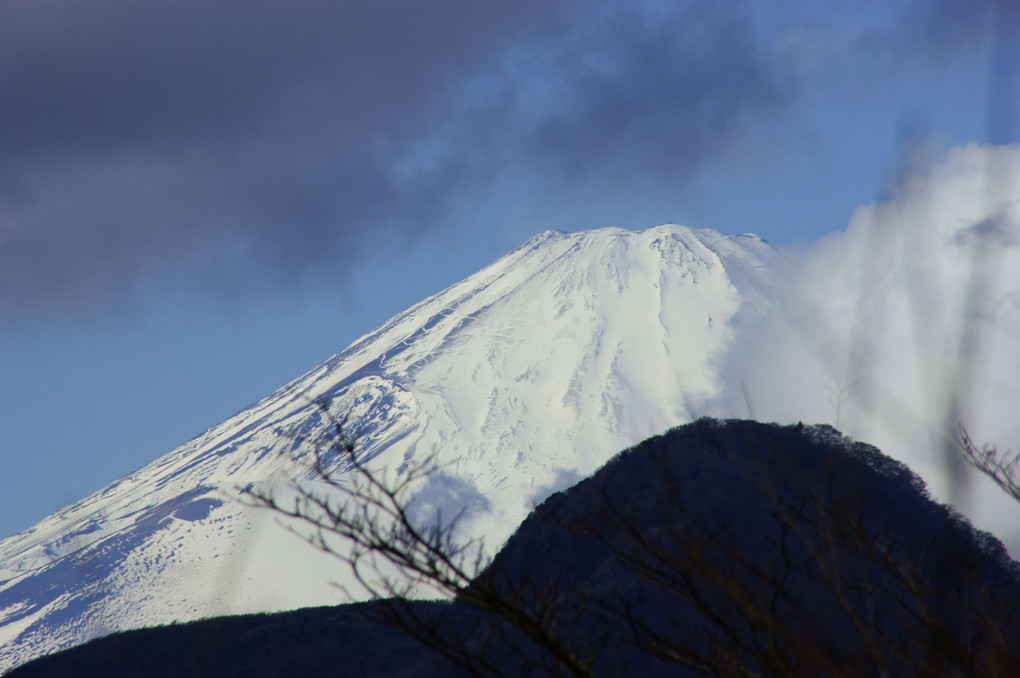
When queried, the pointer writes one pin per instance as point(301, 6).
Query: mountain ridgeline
point(718, 548)
point(721, 548)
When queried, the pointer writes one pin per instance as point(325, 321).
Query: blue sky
point(201, 201)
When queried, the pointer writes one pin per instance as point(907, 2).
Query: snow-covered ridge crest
point(523, 378)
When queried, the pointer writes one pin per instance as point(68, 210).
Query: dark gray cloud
point(245, 140)
point(661, 95)
point(139, 134)
point(935, 30)
point(113, 73)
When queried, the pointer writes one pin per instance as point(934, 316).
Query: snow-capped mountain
point(523, 378)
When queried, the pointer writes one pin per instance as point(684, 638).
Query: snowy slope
point(524, 378)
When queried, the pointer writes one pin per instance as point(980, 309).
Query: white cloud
point(906, 324)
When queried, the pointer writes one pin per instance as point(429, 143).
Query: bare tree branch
point(834, 594)
point(1004, 469)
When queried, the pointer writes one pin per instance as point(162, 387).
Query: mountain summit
point(521, 379)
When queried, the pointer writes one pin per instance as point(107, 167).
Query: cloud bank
point(275, 136)
point(243, 142)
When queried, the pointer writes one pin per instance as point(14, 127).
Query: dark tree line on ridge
point(731, 549)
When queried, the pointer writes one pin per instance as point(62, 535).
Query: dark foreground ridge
point(720, 548)
point(340, 641)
